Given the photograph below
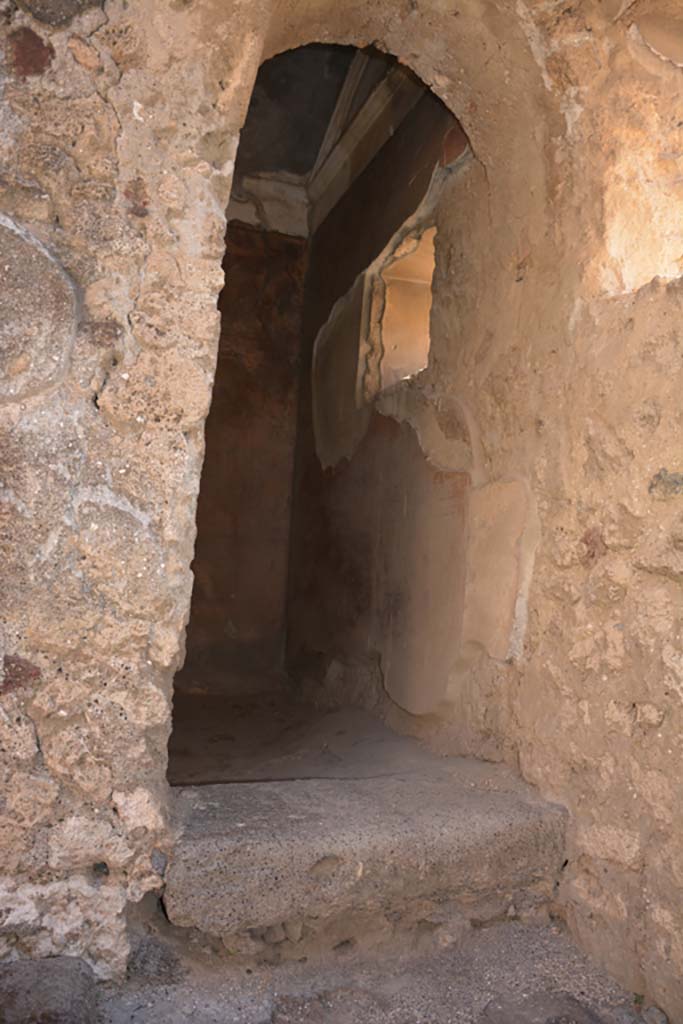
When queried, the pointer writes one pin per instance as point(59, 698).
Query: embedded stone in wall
point(83, 920)
point(17, 673)
point(57, 12)
point(61, 990)
point(37, 315)
point(665, 484)
point(168, 392)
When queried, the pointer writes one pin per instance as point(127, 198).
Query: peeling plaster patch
point(571, 109)
point(36, 337)
point(347, 372)
point(575, 315)
point(528, 545)
point(500, 551)
point(275, 202)
point(643, 240)
point(663, 35)
point(51, 543)
point(102, 495)
point(450, 454)
point(535, 41)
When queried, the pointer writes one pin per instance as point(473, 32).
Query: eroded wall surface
point(237, 620)
point(377, 558)
point(117, 149)
point(555, 341)
point(382, 583)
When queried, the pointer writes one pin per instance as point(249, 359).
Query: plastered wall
point(236, 632)
point(555, 340)
point(378, 541)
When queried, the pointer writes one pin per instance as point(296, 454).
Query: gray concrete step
point(288, 868)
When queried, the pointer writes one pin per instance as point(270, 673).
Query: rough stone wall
point(235, 635)
point(556, 339)
point(556, 328)
point(119, 129)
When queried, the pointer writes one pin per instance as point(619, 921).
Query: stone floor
point(269, 736)
point(236, 761)
point(506, 974)
point(326, 828)
point(266, 785)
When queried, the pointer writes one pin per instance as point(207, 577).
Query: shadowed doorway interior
point(328, 546)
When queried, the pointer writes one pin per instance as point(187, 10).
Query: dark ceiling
point(293, 99)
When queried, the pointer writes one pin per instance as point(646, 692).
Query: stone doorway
point(330, 554)
point(331, 559)
point(552, 383)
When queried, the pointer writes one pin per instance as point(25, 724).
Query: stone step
point(287, 868)
point(510, 973)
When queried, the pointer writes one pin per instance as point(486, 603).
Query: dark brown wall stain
point(18, 673)
point(238, 604)
point(29, 55)
point(137, 196)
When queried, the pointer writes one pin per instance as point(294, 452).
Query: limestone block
point(121, 558)
point(37, 315)
point(31, 797)
point(83, 920)
point(315, 850)
point(17, 734)
point(67, 754)
point(80, 842)
point(168, 390)
point(609, 842)
point(139, 809)
point(497, 517)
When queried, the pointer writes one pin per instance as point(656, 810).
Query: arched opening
point(328, 543)
point(338, 503)
point(546, 384)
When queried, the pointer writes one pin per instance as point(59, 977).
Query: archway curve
point(506, 117)
point(480, 58)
